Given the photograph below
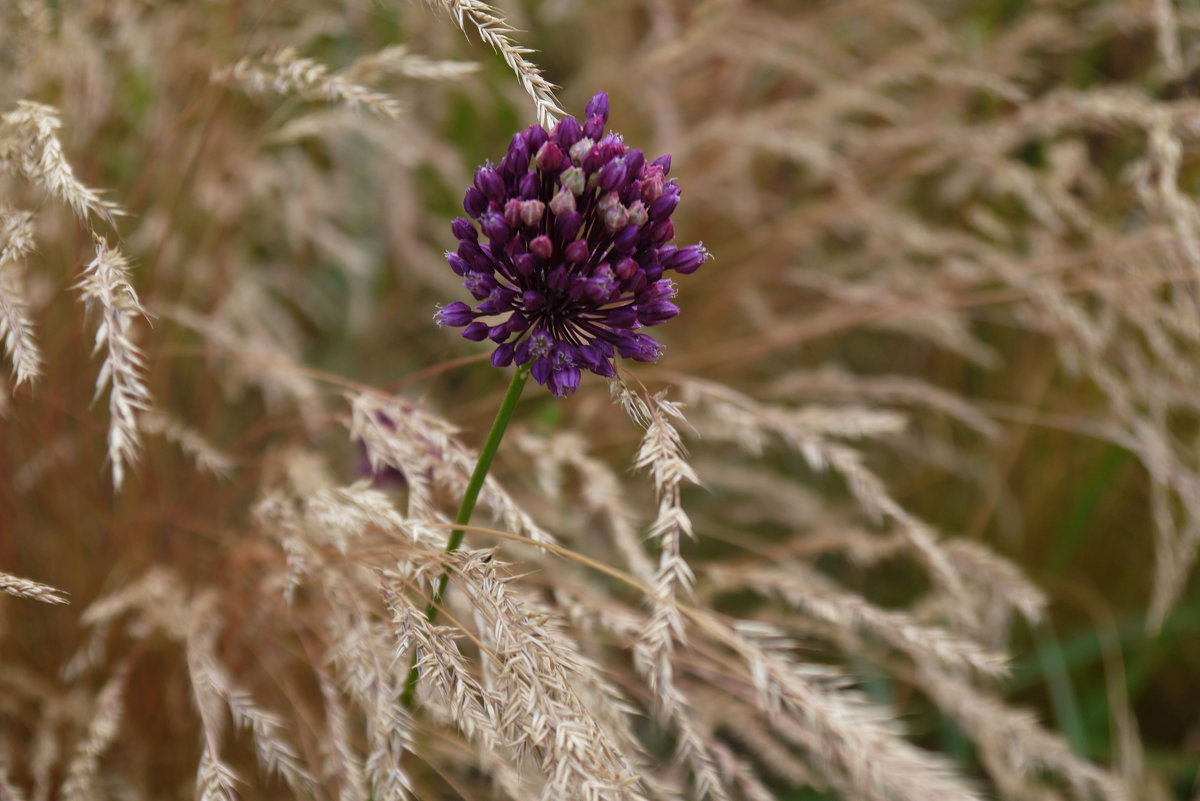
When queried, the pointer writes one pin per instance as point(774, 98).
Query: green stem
point(465, 509)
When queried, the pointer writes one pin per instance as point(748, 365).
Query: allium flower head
point(576, 227)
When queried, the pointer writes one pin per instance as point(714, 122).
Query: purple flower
point(576, 227)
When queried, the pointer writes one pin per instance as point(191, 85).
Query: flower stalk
point(466, 508)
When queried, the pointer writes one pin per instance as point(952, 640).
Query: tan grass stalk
point(397, 60)
point(811, 432)
point(29, 145)
point(554, 703)
point(105, 285)
point(1014, 746)
point(407, 437)
point(662, 454)
point(24, 588)
point(285, 73)
point(83, 773)
point(853, 744)
point(601, 491)
point(16, 327)
point(497, 33)
point(191, 442)
point(813, 594)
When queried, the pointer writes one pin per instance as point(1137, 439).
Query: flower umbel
point(577, 226)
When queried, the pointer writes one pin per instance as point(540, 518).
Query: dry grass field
point(906, 509)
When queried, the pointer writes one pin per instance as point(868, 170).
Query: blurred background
point(978, 217)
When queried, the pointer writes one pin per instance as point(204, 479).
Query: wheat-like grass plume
point(34, 590)
point(29, 145)
point(16, 327)
point(105, 288)
point(497, 33)
point(286, 72)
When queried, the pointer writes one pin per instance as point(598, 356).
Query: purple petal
point(662, 231)
point(536, 136)
point(475, 202)
point(458, 264)
point(658, 312)
point(503, 355)
point(685, 260)
point(567, 132)
point(568, 225)
point(598, 105)
point(476, 331)
point(489, 182)
point(665, 205)
point(495, 228)
point(456, 314)
point(464, 229)
point(550, 157)
point(531, 185)
point(540, 370)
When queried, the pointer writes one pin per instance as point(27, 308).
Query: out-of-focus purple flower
point(577, 226)
point(383, 475)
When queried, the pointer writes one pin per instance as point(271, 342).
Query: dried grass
point(931, 252)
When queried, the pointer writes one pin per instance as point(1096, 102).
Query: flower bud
point(495, 228)
point(612, 175)
point(532, 300)
point(573, 180)
point(566, 133)
point(516, 161)
point(635, 162)
point(525, 264)
point(580, 149)
point(541, 246)
point(652, 185)
point(489, 182)
point(457, 263)
point(665, 204)
point(563, 202)
point(657, 312)
point(601, 288)
point(598, 106)
point(616, 218)
point(463, 228)
point(536, 136)
point(568, 225)
point(530, 185)
point(685, 260)
point(479, 284)
point(532, 212)
point(594, 127)
point(512, 212)
point(549, 157)
point(503, 355)
point(662, 231)
point(637, 213)
point(558, 278)
point(476, 331)
point(456, 314)
point(475, 202)
point(626, 238)
point(577, 251)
